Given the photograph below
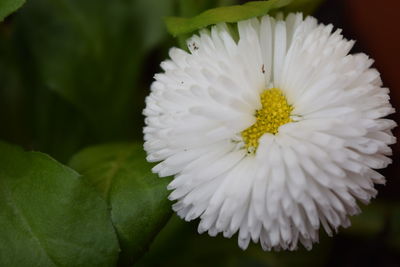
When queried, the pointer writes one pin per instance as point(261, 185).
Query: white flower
point(271, 135)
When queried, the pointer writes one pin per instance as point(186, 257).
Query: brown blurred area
point(375, 26)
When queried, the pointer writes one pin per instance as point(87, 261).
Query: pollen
point(275, 111)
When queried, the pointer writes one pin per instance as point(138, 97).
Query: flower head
point(272, 135)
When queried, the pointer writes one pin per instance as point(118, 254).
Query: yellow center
point(275, 111)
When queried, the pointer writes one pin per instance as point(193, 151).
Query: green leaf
point(179, 243)
point(49, 216)
point(91, 54)
point(137, 198)
point(370, 222)
point(180, 26)
point(9, 6)
point(30, 114)
point(189, 8)
point(177, 25)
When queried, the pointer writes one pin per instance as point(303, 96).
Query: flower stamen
point(275, 111)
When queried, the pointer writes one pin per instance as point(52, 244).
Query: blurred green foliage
point(374, 231)
point(178, 244)
point(138, 199)
point(180, 25)
point(9, 6)
point(49, 217)
point(76, 70)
